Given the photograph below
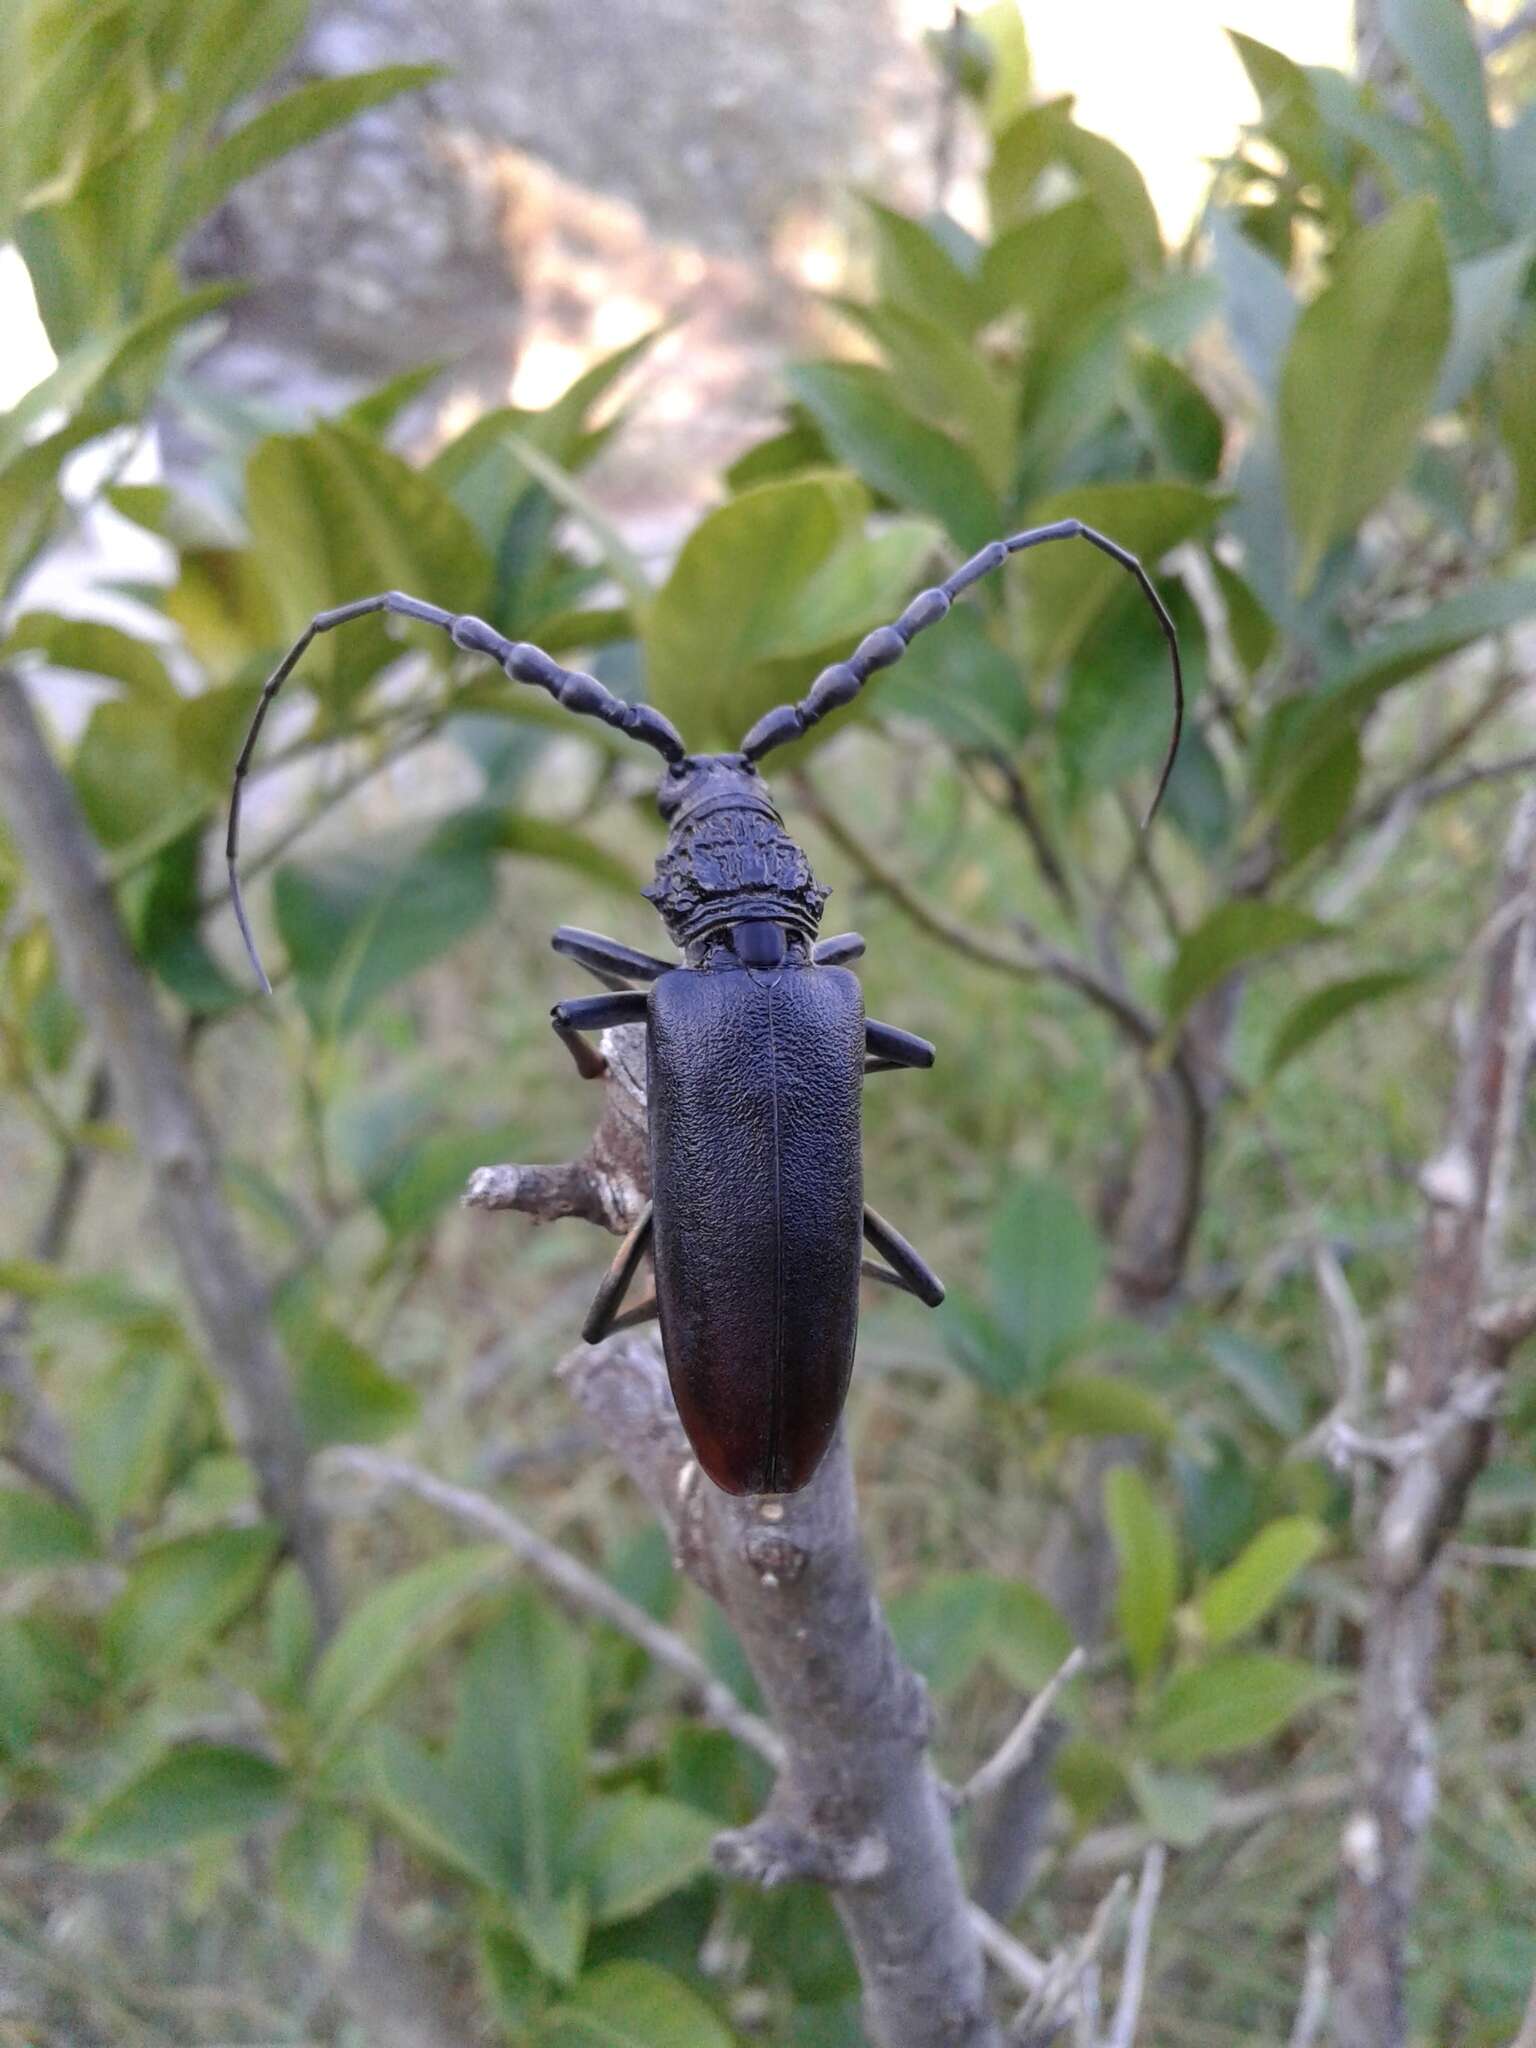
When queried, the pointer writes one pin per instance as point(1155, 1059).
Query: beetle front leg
point(886, 1047)
point(603, 1316)
point(595, 1013)
point(614, 964)
point(907, 1269)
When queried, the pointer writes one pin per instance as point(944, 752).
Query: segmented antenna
point(885, 646)
point(578, 692)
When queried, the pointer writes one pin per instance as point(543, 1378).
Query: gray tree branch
point(1441, 1423)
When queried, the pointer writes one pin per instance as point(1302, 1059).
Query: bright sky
point(1163, 81)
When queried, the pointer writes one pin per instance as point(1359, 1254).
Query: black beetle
point(757, 1048)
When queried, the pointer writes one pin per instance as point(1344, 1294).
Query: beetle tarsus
point(908, 1269)
point(603, 1316)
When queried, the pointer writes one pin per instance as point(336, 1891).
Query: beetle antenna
point(884, 647)
point(524, 663)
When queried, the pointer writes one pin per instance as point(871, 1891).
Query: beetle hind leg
point(904, 1267)
point(604, 1316)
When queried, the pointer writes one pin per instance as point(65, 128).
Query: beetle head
point(728, 858)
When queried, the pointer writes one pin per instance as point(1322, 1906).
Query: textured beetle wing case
point(755, 1084)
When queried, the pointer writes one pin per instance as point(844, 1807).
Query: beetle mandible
point(757, 1045)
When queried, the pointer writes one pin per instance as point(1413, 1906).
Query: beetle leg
point(888, 1047)
point(595, 1013)
point(602, 1316)
point(642, 1312)
point(907, 1269)
point(614, 964)
point(837, 951)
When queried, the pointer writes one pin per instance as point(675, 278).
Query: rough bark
point(1442, 1405)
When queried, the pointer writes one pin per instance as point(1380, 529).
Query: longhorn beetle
point(757, 1047)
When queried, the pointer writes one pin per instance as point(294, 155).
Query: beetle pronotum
point(757, 1046)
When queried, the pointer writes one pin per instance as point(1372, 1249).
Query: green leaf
point(1261, 313)
point(126, 1429)
point(1030, 1640)
point(959, 681)
point(1071, 583)
point(1183, 427)
point(1435, 41)
point(1230, 938)
point(1057, 268)
point(635, 1849)
point(320, 1871)
point(344, 1394)
point(632, 2005)
point(914, 464)
point(1262, 1377)
point(95, 649)
point(945, 1626)
point(1485, 294)
point(1147, 1555)
point(1120, 190)
point(1230, 1703)
point(628, 570)
point(180, 1595)
point(393, 1629)
point(1359, 378)
point(202, 1790)
point(948, 381)
point(554, 1930)
point(431, 1808)
point(1240, 1597)
point(1045, 1263)
point(1021, 153)
point(915, 270)
point(128, 774)
point(1083, 1405)
point(358, 923)
point(36, 1532)
point(726, 638)
point(1177, 1806)
point(310, 111)
point(1306, 1021)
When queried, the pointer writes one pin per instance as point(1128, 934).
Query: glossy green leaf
point(1359, 378)
point(1045, 1262)
point(1178, 420)
point(866, 425)
point(1230, 1703)
point(1230, 938)
point(181, 1595)
point(320, 1872)
point(1056, 268)
point(1146, 1554)
point(1435, 40)
point(1261, 312)
point(36, 1532)
point(634, 1849)
point(1020, 154)
point(632, 2005)
point(303, 115)
point(1306, 1021)
point(957, 680)
point(1117, 185)
point(393, 1629)
point(1238, 1598)
point(196, 1792)
point(129, 777)
point(1085, 1405)
point(949, 381)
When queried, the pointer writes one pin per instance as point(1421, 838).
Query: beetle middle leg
point(595, 1013)
point(904, 1267)
point(886, 1046)
point(603, 1316)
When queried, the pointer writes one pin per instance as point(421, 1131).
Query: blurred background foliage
point(1317, 418)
